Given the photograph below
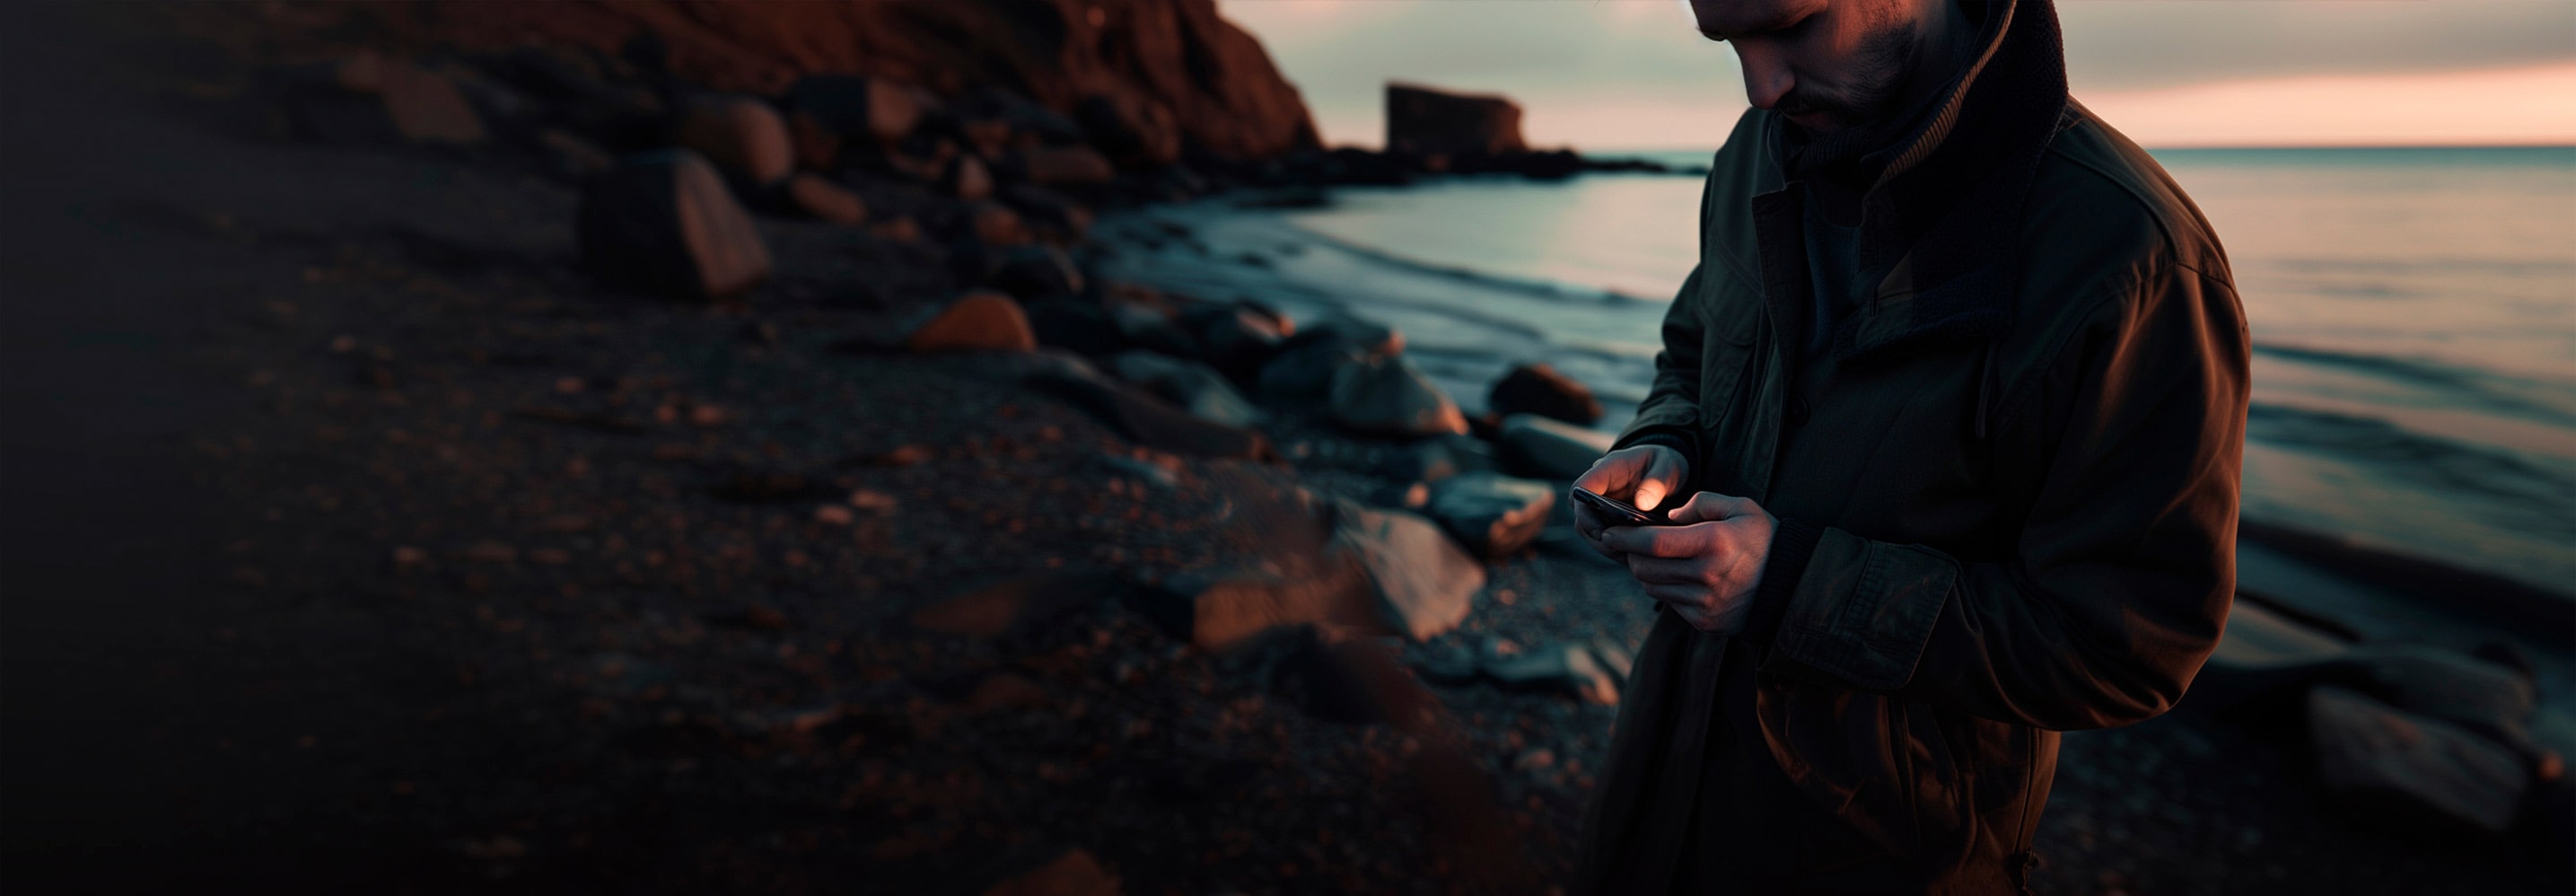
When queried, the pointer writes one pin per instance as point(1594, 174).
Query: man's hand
point(1707, 565)
point(1643, 476)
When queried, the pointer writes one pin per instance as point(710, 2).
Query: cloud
point(1575, 65)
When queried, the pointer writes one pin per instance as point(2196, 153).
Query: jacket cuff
point(1792, 543)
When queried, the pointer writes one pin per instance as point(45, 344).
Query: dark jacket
point(2007, 486)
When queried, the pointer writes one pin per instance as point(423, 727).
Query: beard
point(1870, 92)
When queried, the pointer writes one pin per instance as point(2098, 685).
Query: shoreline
point(492, 575)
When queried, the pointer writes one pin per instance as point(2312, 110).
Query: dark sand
point(359, 543)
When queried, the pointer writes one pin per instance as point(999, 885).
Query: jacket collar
point(1940, 223)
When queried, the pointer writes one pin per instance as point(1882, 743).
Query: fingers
point(1662, 475)
point(1612, 474)
point(1589, 524)
point(1658, 541)
point(1711, 506)
point(1667, 570)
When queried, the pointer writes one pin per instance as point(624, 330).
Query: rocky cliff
point(1160, 61)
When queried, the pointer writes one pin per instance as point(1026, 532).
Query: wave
point(2493, 391)
point(1531, 286)
point(2534, 497)
point(2440, 267)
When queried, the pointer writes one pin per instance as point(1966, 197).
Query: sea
point(2413, 314)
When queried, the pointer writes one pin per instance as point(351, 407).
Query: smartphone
point(1620, 513)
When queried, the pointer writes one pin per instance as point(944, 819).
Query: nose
point(1766, 73)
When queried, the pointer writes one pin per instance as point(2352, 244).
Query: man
point(1949, 421)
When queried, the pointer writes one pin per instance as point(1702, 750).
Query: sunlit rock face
point(1159, 79)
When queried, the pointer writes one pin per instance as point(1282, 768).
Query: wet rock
point(2492, 700)
point(1149, 421)
point(818, 196)
point(740, 134)
point(1423, 582)
point(1239, 337)
point(663, 222)
point(1075, 873)
point(1146, 320)
point(1538, 447)
point(2264, 662)
point(1065, 166)
point(1076, 325)
point(1059, 217)
point(1539, 389)
point(1218, 611)
point(1493, 515)
point(1390, 396)
point(977, 321)
point(1030, 272)
point(2412, 772)
point(1450, 664)
point(1190, 386)
point(1425, 121)
point(1569, 667)
point(1306, 363)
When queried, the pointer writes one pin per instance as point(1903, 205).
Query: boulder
point(428, 107)
point(1223, 610)
point(977, 321)
point(1425, 121)
point(1059, 166)
point(1189, 385)
point(1033, 271)
point(1136, 129)
point(664, 222)
point(2411, 772)
point(997, 225)
point(1148, 325)
point(967, 178)
point(1390, 396)
point(1147, 420)
point(818, 196)
point(1536, 446)
point(1422, 581)
point(1539, 389)
point(741, 134)
point(843, 111)
point(1307, 361)
point(1493, 515)
point(1432, 460)
point(1076, 325)
point(1568, 667)
point(1238, 338)
point(2492, 700)
point(1058, 215)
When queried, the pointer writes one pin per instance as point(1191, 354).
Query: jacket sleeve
point(1669, 415)
point(2124, 565)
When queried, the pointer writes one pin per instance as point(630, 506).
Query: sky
point(1634, 74)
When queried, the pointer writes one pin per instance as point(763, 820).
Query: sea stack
point(1425, 121)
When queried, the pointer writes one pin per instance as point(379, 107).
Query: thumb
point(1657, 483)
point(1707, 506)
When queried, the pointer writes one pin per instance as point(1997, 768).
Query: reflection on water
point(2414, 314)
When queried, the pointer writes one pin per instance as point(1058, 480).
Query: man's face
point(1825, 64)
